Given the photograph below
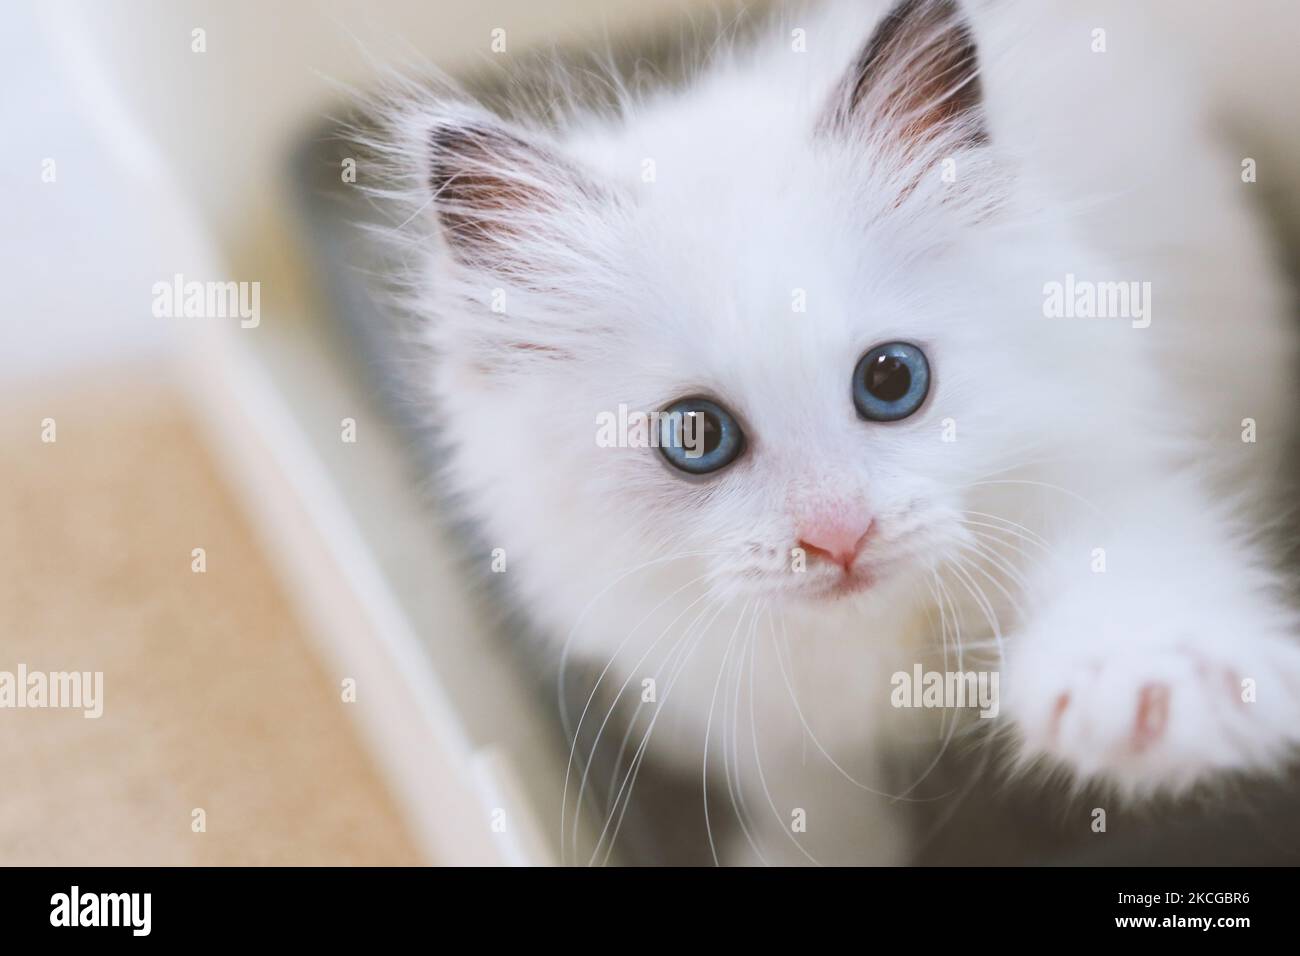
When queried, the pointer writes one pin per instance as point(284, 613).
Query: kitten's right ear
point(915, 82)
point(508, 200)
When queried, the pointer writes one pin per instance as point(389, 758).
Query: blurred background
point(234, 524)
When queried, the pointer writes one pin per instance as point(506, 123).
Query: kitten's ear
point(508, 200)
point(916, 80)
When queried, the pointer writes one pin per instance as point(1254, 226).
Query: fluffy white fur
point(1071, 434)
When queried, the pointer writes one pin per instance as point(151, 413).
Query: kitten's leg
point(1177, 660)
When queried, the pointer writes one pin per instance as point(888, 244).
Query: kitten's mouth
point(821, 584)
point(847, 584)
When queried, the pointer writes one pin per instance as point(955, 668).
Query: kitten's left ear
point(915, 82)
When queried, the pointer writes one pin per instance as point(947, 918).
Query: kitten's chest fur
point(788, 677)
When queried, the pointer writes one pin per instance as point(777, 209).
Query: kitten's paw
point(1158, 716)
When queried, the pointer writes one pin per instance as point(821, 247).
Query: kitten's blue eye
point(890, 382)
point(698, 436)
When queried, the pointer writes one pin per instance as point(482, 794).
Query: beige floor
point(213, 699)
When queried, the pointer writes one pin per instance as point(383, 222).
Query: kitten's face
point(768, 316)
point(758, 285)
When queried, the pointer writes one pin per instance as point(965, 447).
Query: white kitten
point(1072, 502)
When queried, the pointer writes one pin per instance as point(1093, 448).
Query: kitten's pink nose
point(835, 540)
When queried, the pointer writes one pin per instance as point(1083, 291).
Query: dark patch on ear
point(493, 186)
point(917, 78)
point(473, 194)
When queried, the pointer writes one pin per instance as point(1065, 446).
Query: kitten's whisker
point(993, 540)
point(994, 643)
point(956, 620)
point(949, 720)
point(1006, 524)
point(758, 760)
point(582, 616)
point(588, 763)
point(1001, 564)
point(1055, 459)
point(575, 731)
point(731, 753)
point(784, 657)
point(631, 675)
point(982, 602)
point(1043, 484)
point(667, 662)
point(638, 758)
point(708, 729)
point(968, 566)
point(1021, 560)
point(943, 636)
point(785, 677)
point(944, 722)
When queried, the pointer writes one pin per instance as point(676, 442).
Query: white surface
point(81, 253)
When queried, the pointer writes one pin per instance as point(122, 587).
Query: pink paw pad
point(1058, 711)
point(1152, 715)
